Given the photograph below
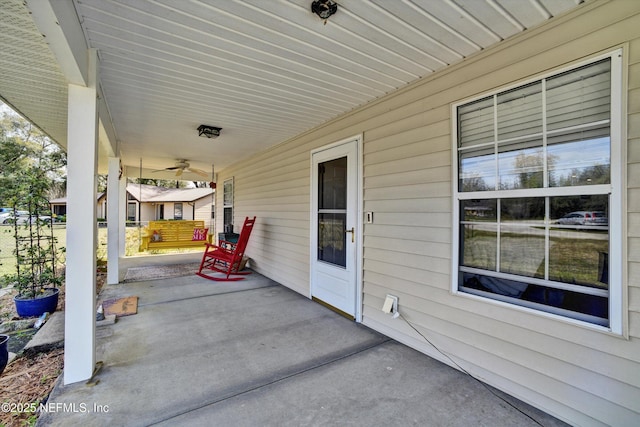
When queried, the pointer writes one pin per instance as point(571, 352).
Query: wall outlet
point(390, 305)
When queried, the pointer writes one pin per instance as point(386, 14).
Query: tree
point(31, 172)
point(30, 162)
point(166, 183)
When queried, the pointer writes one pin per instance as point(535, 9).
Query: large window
point(537, 200)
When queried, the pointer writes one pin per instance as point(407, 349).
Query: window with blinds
point(527, 137)
point(534, 194)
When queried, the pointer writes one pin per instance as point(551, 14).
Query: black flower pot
point(4, 352)
point(35, 307)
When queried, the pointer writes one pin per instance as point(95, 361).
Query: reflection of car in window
point(584, 218)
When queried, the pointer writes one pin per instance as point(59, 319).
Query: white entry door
point(334, 233)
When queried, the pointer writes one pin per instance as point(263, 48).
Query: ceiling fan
point(181, 166)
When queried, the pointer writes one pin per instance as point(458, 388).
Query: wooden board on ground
point(121, 307)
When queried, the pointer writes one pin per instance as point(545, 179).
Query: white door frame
point(359, 219)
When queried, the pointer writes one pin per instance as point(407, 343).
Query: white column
point(80, 289)
point(122, 191)
point(113, 221)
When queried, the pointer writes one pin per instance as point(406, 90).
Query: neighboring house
point(59, 206)
point(149, 203)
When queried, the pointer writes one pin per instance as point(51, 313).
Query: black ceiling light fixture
point(324, 8)
point(209, 131)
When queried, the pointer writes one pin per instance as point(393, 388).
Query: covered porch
point(417, 109)
point(256, 353)
point(125, 88)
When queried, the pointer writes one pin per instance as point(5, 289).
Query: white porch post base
point(80, 317)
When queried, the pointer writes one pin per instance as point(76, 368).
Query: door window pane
point(332, 238)
point(332, 184)
point(332, 211)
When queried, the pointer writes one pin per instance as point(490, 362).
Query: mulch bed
point(27, 381)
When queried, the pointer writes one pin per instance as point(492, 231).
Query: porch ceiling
point(264, 71)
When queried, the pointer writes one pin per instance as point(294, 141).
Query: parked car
point(584, 218)
point(9, 218)
point(24, 219)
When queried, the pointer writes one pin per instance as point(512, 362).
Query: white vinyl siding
point(202, 209)
point(581, 375)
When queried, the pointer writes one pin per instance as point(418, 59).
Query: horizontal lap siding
point(578, 374)
point(274, 187)
point(408, 253)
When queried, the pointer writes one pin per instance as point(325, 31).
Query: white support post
point(80, 289)
point(122, 213)
point(113, 221)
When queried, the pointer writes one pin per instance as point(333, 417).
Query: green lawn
point(7, 245)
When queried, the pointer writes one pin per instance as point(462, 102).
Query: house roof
point(150, 193)
point(153, 194)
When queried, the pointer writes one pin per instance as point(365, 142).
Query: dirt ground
point(27, 381)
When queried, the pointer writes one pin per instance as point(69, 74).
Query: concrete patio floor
point(254, 353)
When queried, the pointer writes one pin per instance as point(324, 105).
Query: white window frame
point(227, 203)
point(615, 189)
point(178, 208)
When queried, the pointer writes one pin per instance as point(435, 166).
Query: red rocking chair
point(226, 257)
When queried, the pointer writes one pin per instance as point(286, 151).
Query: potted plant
point(36, 295)
point(36, 279)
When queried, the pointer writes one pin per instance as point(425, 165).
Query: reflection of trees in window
point(522, 208)
point(598, 174)
point(475, 183)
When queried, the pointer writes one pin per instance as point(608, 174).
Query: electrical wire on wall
point(464, 371)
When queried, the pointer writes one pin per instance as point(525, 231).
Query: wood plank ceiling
point(264, 71)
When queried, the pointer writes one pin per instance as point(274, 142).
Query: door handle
point(353, 234)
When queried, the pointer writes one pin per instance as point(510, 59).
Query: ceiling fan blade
point(179, 172)
point(199, 172)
